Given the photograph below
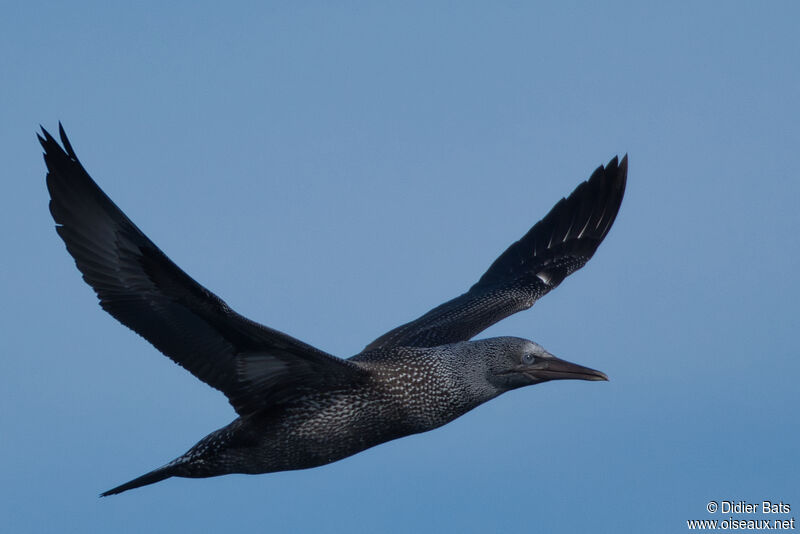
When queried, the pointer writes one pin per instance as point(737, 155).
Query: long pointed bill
point(556, 369)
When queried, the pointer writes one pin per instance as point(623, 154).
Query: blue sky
point(334, 172)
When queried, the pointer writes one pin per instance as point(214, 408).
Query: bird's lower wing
point(555, 247)
point(253, 365)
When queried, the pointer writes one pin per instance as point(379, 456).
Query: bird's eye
point(528, 358)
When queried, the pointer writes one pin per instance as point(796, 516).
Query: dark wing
point(253, 365)
point(555, 247)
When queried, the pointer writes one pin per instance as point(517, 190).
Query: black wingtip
point(65, 141)
point(50, 145)
point(616, 172)
point(622, 177)
point(621, 164)
point(47, 137)
point(623, 171)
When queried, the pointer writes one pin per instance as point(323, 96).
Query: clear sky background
point(334, 172)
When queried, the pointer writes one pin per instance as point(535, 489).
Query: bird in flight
point(299, 407)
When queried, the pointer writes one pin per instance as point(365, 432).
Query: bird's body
point(410, 390)
point(300, 407)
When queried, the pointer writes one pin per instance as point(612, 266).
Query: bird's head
point(516, 362)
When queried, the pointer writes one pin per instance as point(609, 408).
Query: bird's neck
point(434, 385)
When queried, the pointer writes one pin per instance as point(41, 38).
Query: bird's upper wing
point(555, 247)
point(253, 365)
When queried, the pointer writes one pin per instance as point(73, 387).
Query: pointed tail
point(156, 475)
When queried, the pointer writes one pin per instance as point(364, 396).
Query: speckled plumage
point(300, 407)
